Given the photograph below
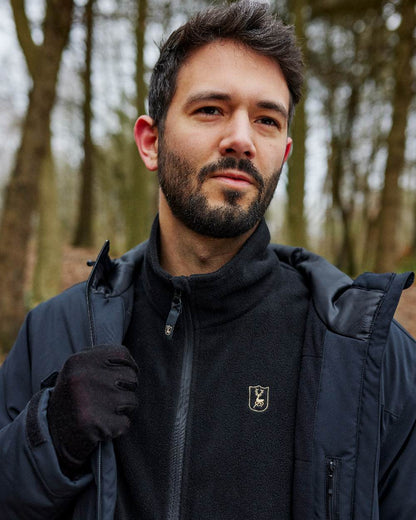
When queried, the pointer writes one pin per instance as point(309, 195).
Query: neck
point(184, 252)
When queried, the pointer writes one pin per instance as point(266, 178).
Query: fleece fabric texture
point(242, 326)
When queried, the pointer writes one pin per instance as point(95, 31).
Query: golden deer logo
point(258, 400)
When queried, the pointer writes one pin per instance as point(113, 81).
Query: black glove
point(94, 395)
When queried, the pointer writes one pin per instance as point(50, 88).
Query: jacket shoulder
point(59, 316)
point(347, 307)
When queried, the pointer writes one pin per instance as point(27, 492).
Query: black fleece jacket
point(219, 359)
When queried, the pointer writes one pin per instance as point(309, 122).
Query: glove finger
point(118, 355)
point(126, 409)
point(125, 402)
point(123, 384)
point(122, 362)
point(121, 426)
point(114, 427)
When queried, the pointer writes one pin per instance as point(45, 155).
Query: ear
point(288, 148)
point(146, 137)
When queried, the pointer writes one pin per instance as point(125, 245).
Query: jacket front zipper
point(331, 488)
point(179, 429)
point(93, 336)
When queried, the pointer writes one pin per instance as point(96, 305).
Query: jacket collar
point(347, 307)
point(113, 277)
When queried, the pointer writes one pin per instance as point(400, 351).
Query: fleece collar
point(222, 295)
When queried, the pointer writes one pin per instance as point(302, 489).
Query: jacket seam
point(317, 401)
point(333, 331)
point(389, 285)
point(359, 417)
point(380, 303)
point(359, 428)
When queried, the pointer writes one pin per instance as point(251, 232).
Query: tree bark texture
point(21, 194)
point(295, 221)
point(139, 206)
point(84, 234)
point(389, 216)
point(48, 267)
point(342, 201)
point(47, 272)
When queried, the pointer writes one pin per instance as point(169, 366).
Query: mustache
point(228, 163)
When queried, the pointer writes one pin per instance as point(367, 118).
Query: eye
point(269, 121)
point(209, 111)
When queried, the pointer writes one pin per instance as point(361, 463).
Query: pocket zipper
point(331, 488)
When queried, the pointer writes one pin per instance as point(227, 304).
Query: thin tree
point(295, 220)
point(48, 268)
point(46, 279)
point(84, 234)
point(389, 217)
point(21, 194)
point(139, 200)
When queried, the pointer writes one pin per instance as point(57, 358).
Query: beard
point(187, 202)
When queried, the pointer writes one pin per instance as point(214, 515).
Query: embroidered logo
point(258, 398)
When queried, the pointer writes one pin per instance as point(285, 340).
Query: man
point(269, 385)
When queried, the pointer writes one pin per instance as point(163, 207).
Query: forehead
point(234, 68)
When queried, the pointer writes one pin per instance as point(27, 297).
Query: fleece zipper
point(182, 409)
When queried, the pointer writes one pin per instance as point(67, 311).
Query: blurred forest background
point(73, 79)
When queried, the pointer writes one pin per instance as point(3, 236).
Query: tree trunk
point(48, 267)
point(295, 221)
point(413, 239)
point(47, 272)
point(84, 234)
point(390, 200)
point(21, 194)
point(139, 204)
point(346, 256)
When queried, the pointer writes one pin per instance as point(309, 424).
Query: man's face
point(225, 139)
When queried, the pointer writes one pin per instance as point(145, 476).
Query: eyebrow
point(207, 96)
point(219, 96)
point(276, 107)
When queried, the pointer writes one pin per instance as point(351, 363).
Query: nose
point(237, 140)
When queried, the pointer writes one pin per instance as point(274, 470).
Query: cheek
point(274, 156)
point(192, 140)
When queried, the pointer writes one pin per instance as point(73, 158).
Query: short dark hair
point(250, 23)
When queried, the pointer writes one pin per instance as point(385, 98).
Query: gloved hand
point(92, 400)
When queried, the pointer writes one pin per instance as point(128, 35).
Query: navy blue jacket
point(355, 442)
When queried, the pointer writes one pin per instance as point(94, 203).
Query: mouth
point(234, 178)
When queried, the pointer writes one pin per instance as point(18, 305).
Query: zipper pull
point(330, 489)
point(331, 471)
point(174, 313)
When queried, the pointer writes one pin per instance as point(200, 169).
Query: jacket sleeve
point(397, 471)
point(31, 483)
